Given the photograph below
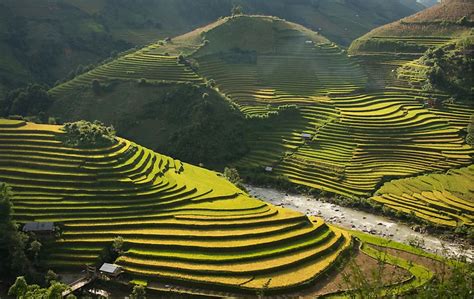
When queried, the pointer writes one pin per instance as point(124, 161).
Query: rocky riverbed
point(362, 221)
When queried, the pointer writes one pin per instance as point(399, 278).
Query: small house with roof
point(110, 270)
point(45, 229)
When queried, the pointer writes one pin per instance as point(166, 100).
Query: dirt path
point(362, 221)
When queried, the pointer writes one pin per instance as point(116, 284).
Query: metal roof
point(38, 226)
point(109, 268)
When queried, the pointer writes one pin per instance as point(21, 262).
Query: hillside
point(442, 199)
point(410, 37)
point(288, 81)
point(404, 54)
point(45, 41)
point(428, 55)
point(180, 223)
point(428, 3)
point(441, 20)
point(153, 114)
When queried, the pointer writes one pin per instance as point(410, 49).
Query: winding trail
point(362, 221)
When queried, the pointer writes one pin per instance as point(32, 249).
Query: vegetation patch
point(84, 134)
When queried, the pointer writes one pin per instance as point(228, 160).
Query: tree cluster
point(233, 176)
point(470, 132)
point(201, 127)
point(13, 259)
point(85, 134)
point(22, 290)
point(31, 100)
point(451, 67)
point(19, 252)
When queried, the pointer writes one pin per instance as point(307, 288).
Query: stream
point(361, 221)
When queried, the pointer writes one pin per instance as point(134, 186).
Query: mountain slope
point(415, 34)
point(180, 223)
point(355, 139)
point(442, 199)
point(427, 55)
point(46, 41)
point(308, 115)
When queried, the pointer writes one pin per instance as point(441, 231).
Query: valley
point(363, 221)
point(312, 149)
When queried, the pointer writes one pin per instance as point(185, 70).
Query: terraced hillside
point(293, 66)
point(179, 222)
point(45, 41)
point(445, 199)
point(388, 47)
point(391, 56)
point(335, 135)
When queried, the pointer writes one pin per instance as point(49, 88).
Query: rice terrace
point(236, 149)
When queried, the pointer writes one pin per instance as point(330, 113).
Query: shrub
point(142, 82)
point(463, 21)
point(84, 134)
point(233, 176)
point(237, 10)
point(96, 86)
point(139, 292)
point(211, 83)
point(50, 276)
point(181, 59)
point(470, 132)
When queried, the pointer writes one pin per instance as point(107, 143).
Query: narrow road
point(362, 221)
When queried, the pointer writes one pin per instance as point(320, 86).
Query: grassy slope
point(170, 118)
point(390, 55)
point(425, 24)
point(179, 222)
point(276, 66)
point(444, 199)
point(53, 38)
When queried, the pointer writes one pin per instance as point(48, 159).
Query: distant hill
point(429, 3)
point(45, 41)
point(415, 34)
point(274, 46)
point(389, 47)
point(301, 107)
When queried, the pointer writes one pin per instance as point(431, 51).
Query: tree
point(237, 10)
point(96, 86)
point(463, 21)
point(117, 245)
point(139, 292)
point(85, 134)
point(35, 248)
point(181, 59)
point(26, 101)
point(211, 83)
point(50, 276)
point(19, 288)
point(55, 290)
point(233, 176)
point(13, 260)
point(470, 132)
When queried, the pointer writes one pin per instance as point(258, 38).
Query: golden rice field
point(179, 222)
point(445, 199)
point(365, 124)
